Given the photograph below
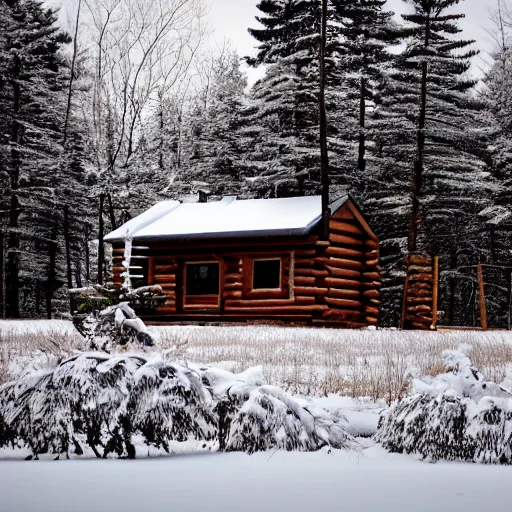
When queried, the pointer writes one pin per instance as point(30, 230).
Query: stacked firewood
point(419, 301)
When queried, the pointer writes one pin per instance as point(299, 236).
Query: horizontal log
point(308, 281)
point(420, 259)
point(343, 272)
point(168, 286)
point(419, 269)
point(310, 290)
point(118, 270)
point(422, 327)
point(375, 302)
point(344, 294)
point(343, 316)
point(420, 277)
point(345, 227)
point(323, 243)
point(372, 294)
point(311, 272)
point(305, 252)
point(371, 285)
point(343, 303)
point(418, 318)
point(233, 278)
point(117, 252)
point(344, 239)
point(165, 309)
point(372, 320)
point(374, 276)
point(233, 269)
point(280, 309)
point(335, 282)
point(164, 278)
point(372, 244)
point(372, 311)
point(371, 263)
point(344, 252)
point(420, 300)
point(166, 269)
point(256, 304)
point(342, 263)
point(343, 213)
point(232, 294)
point(233, 286)
point(420, 286)
point(304, 263)
point(302, 301)
point(422, 309)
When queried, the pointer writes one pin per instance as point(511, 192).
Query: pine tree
point(430, 136)
point(32, 100)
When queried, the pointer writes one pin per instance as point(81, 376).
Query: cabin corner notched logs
point(333, 282)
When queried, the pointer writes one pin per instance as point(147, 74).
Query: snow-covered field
point(373, 481)
point(320, 364)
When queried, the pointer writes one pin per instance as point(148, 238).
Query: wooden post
point(435, 294)
point(101, 248)
point(481, 297)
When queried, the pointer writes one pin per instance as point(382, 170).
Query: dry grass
point(21, 349)
point(376, 364)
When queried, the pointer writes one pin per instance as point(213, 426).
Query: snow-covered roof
point(229, 217)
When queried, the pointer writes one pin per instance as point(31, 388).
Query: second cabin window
point(267, 274)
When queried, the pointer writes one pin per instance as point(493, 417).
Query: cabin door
point(201, 288)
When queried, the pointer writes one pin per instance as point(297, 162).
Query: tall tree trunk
point(324, 155)
point(420, 157)
point(68, 255)
point(111, 213)
point(2, 276)
point(52, 276)
point(72, 72)
point(87, 255)
point(13, 247)
point(101, 248)
point(361, 164)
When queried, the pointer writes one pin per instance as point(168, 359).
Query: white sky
point(231, 18)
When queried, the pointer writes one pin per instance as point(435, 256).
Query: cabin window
point(202, 278)
point(267, 274)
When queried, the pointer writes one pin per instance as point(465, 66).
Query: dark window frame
point(185, 278)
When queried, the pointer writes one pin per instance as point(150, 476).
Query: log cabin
point(253, 260)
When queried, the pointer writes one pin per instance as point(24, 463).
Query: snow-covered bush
point(115, 326)
point(170, 402)
point(271, 419)
point(456, 415)
point(103, 402)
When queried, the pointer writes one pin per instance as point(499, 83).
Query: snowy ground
point(303, 360)
point(373, 481)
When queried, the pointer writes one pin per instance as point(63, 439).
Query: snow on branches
point(457, 415)
point(103, 402)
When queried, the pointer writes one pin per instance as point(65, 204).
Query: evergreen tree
point(32, 102)
point(430, 136)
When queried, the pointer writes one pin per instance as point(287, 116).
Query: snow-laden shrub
point(103, 402)
point(170, 402)
point(271, 419)
point(114, 326)
point(457, 415)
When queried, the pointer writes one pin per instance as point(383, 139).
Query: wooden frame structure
point(331, 282)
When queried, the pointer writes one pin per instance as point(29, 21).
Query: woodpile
point(420, 292)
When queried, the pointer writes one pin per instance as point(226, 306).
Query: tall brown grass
point(376, 364)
